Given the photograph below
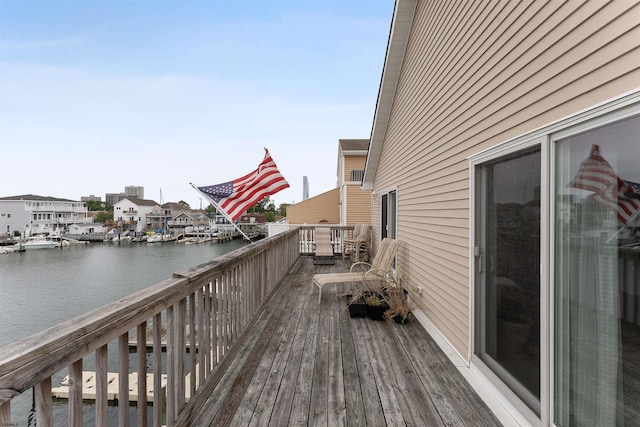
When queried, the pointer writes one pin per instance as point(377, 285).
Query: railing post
point(123, 389)
point(44, 404)
point(102, 400)
point(192, 344)
point(180, 346)
point(75, 393)
point(171, 373)
point(5, 413)
point(158, 393)
point(142, 373)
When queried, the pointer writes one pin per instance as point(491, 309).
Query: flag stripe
point(595, 174)
point(235, 197)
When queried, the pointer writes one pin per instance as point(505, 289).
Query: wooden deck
point(309, 364)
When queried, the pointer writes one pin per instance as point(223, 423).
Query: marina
point(45, 287)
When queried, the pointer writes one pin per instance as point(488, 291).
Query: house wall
point(353, 163)
point(358, 205)
point(121, 208)
point(475, 74)
point(322, 208)
point(13, 216)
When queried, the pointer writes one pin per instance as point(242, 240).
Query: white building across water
point(33, 214)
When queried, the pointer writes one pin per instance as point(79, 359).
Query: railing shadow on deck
point(218, 301)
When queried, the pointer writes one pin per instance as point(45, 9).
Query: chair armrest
point(356, 263)
point(380, 273)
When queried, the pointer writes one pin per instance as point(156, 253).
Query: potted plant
point(400, 307)
point(397, 298)
point(376, 306)
point(357, 304)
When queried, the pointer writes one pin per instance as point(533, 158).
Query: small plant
point(399, 306)
point(374, 300)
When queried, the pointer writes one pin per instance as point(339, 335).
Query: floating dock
point(113, 383)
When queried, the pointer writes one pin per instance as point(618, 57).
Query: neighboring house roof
point(398, 37)
point(174, 205)
point(354, 144)
point(185, 214)
point(139, 202)
point(36, 198)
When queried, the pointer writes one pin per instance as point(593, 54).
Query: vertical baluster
point(5, 413)
point(192, 344)
point(142, 374)
point(224, 314)
point(203, 332)
point(180, 346)
point(123, 388)
point(208, 356)
point(215, 318)
point(158, 393)
point(44, 406)
point(101, 386)
point(75, 393)
point(171, 384)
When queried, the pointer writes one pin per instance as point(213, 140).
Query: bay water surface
point(42, 288)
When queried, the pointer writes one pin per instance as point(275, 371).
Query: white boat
point(161, 238)
point(39, 242)
point(124, 237)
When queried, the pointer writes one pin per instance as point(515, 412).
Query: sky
point(101, 94)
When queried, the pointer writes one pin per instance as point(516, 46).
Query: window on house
point(357, 175)
point(388, 215)
point(556, 283)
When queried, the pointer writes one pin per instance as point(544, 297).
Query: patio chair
point(358, 243)
point(324, 249)
point(378, 268)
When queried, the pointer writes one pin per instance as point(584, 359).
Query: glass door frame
point(513, 392)
point(599, 115)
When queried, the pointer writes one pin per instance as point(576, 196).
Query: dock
point(61, 392)
point(133, 339)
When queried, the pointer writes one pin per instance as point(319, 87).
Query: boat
point(123, 237)
point(161, 238)
point(39, 242)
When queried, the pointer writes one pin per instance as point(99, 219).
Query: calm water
point(41, 288)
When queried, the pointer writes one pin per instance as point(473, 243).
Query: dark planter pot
point(376, 312)
point(358, 308)
point(401, 319)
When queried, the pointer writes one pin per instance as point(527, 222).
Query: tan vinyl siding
point(358, 205)
point(322, 208)
point(476, 74)
point(353, 163)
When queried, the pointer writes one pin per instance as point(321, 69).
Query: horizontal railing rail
point(308, 239)
point(182, 328)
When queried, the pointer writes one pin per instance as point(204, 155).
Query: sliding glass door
point(597, 276)
point(508, 270)
point(556, 274)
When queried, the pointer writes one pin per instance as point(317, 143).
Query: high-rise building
point(134, 191)
point(305, 188)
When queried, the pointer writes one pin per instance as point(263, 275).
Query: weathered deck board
point(310, 364)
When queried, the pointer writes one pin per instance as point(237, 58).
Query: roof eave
point(396, 47)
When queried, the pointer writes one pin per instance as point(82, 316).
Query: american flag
point(235, 197)
point(595, 174)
